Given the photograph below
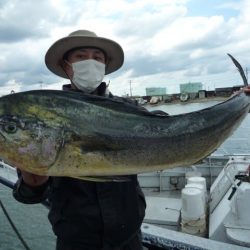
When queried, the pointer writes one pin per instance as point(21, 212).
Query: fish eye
point(10, 128)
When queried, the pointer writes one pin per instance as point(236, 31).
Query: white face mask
point(88, 74)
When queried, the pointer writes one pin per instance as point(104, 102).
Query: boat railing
point(219, 188)
point(8, 175)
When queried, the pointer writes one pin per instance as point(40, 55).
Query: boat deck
point(163, 211)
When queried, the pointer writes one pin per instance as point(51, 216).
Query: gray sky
point(166, 42)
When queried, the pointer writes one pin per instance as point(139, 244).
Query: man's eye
point(100, 59)
point(82, 56)
point(10, 128)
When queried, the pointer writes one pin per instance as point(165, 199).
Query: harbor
point(189, 93)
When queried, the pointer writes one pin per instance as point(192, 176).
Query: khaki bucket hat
point(83, 38)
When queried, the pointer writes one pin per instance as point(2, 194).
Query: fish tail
point(237, 64)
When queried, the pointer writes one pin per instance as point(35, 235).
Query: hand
point(33, 179)
point(247, 90)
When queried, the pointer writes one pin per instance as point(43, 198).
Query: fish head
point(29, 144)
point(27, 141)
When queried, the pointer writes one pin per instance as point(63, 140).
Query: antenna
point(130, 87)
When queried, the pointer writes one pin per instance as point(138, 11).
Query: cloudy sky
point(166, 42)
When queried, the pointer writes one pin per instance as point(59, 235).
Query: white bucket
point(200, 187)
point(194, 227)
point(197, 180)
point(192, 174)
point(193, 214)
point(193, 206)
point(195, 185)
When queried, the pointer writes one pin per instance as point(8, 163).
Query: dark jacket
point(85, 212)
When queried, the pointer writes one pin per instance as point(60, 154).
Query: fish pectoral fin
point(92, 145)
point(103, 178)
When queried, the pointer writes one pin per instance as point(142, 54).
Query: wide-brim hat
point(83, 38)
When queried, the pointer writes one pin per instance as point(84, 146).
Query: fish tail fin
point(237, 64)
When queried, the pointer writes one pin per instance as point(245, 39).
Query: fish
point(66, 133)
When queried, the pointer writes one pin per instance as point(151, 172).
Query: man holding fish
point(88, 215)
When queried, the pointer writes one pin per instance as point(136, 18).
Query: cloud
point(165, 42)
point(25, 19)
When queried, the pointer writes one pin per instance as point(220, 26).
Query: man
point(84, 214)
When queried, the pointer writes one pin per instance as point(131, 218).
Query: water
point(180, 108)
point(31, 222)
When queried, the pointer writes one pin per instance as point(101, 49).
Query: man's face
point(83, 54)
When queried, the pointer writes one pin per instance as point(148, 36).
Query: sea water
point(30, 221)
point(181, 108)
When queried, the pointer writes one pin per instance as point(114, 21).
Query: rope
point(14, 227)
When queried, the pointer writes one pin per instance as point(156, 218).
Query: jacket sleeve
point(31, 195)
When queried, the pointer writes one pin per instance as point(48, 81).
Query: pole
point(130, 88)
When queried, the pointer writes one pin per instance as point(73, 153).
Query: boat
point(177, 216)
point(184, 97)
point(141, 101)
point(154, 100)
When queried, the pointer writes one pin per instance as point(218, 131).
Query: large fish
point(61, 133)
